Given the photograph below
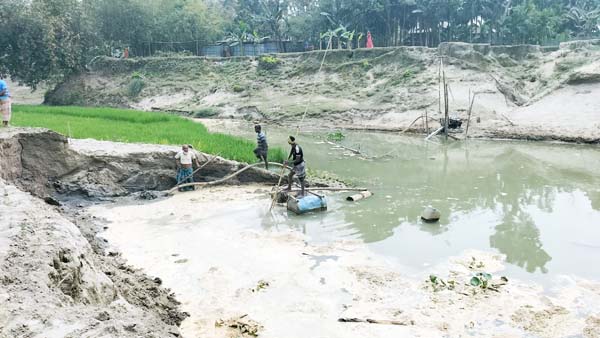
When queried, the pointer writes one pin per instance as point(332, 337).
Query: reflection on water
point(525, 200)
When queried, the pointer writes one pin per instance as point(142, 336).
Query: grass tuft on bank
point(132, 126)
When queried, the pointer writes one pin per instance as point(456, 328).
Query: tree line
point(46, 40)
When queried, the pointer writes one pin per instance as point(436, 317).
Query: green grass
point(133, 126)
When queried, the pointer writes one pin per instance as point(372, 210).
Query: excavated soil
point(54, 284)
point(57, 277)
point(44, 163)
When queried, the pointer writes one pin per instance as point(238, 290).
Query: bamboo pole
point(440, 87)
point(444, 85)
point(411, 124)
point(225, 179)
point(446, 115)
point(324, 189)
point(469, 117)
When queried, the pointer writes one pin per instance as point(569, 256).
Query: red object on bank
point(369, 40)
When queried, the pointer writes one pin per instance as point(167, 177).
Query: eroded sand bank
point(211, 249)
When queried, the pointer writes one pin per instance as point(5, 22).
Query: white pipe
point(360, 196)
point(434, 133)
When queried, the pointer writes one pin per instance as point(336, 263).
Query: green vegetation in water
point(481, 280)
point(336, 136)
point(439, 284)
point(133, 126)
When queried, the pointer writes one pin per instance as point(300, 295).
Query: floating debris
point(262, 284)
point(430, 214)
point(242, 324)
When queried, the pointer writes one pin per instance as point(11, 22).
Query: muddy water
point(536, 203)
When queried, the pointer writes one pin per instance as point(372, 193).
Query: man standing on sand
point(5, 104)
point(184, 161)
point(299, 169)
point(262, 148)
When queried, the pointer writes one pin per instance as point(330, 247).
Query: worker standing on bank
point(184, 161)
point(299, 168)
point(5, 104)
point(262, 148)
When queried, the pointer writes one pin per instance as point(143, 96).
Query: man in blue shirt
point(5, 107)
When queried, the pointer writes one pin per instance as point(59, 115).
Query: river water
point(536, 203)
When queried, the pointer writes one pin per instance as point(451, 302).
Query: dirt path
point(209, 248)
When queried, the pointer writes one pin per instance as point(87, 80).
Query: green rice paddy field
point(131, 126)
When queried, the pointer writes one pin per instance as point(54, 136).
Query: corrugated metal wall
point(252, 49)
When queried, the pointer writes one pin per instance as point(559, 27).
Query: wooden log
point(357, 152)
point(507, 119)
point(376, 321)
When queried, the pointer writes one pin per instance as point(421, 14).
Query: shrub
point(136, 75)
point(206, 112)
point(268, 62)
point(135, 87)
point(238, 89)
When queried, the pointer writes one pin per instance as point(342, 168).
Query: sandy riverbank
point(522, 92)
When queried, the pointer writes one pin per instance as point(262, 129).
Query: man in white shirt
point(184, 161)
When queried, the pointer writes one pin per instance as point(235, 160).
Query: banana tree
point(329, 36)
point(349, 36)
point(584, 18)
point(239, 35)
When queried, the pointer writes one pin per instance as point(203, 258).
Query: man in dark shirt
point(299, 168)
point(262, 148)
